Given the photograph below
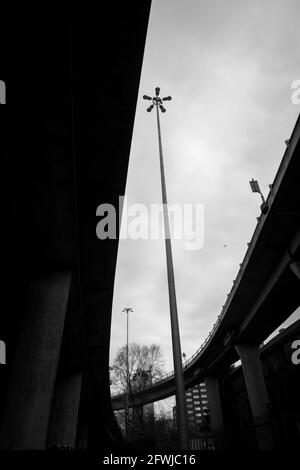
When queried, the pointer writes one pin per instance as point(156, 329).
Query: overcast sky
point(229, 67)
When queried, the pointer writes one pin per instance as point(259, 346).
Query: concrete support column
point(257, 393)
point(65, 407)
point(28, 404)
point(254, 379)
point(215, 411)
point(214, 403)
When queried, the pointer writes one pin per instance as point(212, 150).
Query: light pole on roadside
point(127, 310)
point(157, 102)
point(256, 189)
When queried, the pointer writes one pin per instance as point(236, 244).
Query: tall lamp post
point(127, 310)
point(157, 102)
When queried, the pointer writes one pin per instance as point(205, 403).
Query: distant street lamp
point(127, 310)
point(179, 380)
point(256, 189)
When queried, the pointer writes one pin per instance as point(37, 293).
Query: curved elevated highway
point(266, 290)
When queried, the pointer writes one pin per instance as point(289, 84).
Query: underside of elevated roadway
point(72, 72)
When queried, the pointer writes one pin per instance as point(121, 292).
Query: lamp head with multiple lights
point(127, 310)
point(157, 101)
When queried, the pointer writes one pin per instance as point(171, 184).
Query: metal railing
point(249, 436)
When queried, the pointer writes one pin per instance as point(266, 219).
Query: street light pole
point(256, 189)
point(127, 310)
point(179, 380)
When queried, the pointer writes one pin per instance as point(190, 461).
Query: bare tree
point(145, 364)
point(140, 358)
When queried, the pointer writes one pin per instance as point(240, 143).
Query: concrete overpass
point(72, 74)
point(264, 294)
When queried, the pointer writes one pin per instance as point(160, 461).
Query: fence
point(249, 436)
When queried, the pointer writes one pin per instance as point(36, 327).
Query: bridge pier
point(215, 410)
point(28, 404)
point(257, 394)
point(214, 403)
point(65, 408)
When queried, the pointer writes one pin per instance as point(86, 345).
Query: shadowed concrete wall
point(65, 408)
point(33, 375)
point(72, 81)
